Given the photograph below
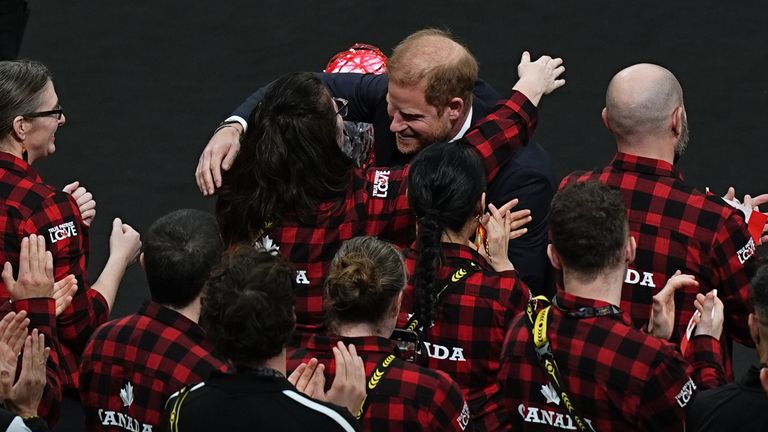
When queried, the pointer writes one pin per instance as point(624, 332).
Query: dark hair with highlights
point(248, 305)
point(445, 183)
point(289, 162)
point(180, 249)
point(365, 276)
point(588, 227)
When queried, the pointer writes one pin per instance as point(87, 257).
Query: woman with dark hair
point(291, 190)
point(362, 298)
point(30, 115)
point(462, 297)
point(247, 311)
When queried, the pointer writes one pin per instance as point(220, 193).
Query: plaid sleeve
point(58, 220)
point(42, 316)
point(449, 410)
point(389, 214)
point(501, 133)
point(705, 356)
point(732, 258)
point(667, 394)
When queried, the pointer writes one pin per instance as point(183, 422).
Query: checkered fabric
point(617, 377)
point(133, 365)
point(29, 206)
point(41, 313)
point(470, 322)
point(377, 205)
point(680, 228)
point(408, 397)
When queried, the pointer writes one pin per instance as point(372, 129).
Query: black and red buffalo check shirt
point(376, 205)
point(680, 228)
point(134, 364)
point(617, 377)
point(408, 397)
point(41, 313)
point(29, 206)
point(470, 322)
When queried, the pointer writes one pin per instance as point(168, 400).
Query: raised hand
point(35, 271)
point(662, 321)
point(84, 200)
point(540, 77)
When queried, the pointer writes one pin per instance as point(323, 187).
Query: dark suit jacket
point(527, 177)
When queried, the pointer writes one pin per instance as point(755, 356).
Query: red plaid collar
point(569, 301)
point(630, 162)
point(455, 251)
point(465, 252)
point(173, 319)
point(18, 165)
point(367, 344)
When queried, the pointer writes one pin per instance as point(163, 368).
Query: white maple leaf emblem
point(549, 392)
point(126, 394)
point(268, 245)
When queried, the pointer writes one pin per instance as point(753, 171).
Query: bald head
point(432, 57)
point(641, 99)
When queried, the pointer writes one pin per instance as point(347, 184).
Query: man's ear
point(631, 249)
point(141, 261)
point(677, 120)
point(455, 108)
point(606, 122)
point(554, 257)
point(754, 328)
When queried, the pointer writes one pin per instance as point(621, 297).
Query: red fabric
point(470, 322)
point(680, 228)
point(29, 206)
point(617, 377)
point(155, 352)
point(41, 313)
point(376, 205)
point(408, 397)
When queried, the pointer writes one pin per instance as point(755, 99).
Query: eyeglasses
point(342, 106)
point(58, 112)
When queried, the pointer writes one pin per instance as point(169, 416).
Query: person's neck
point(360, 330)
point(652, 148)
point(13, 147)
point(462, 237)
point(277, 363)
point(191, 311)
point(605, 287)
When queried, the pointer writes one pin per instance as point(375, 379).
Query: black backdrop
point(145, 82)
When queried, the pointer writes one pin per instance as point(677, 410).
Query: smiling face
point(415, 123)
point(40, 132)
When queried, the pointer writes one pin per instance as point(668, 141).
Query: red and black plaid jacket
point(29, 206)
point(470, 322)
point(134, 364)
point(376, 204)
point(41, 313)
point(680, 228)
point(617, 377)
point(408, 397)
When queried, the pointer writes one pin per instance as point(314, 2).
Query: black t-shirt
point(741, 405)
point(248, 401)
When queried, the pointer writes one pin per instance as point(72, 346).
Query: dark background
point(144, 83)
